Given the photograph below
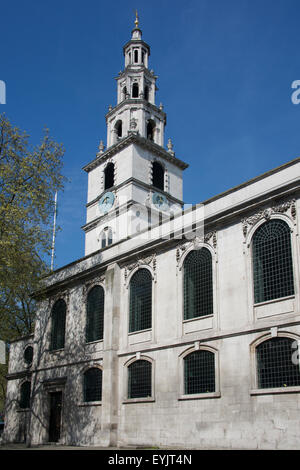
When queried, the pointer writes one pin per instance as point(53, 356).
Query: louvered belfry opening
point(199, 372)
point(95, 314)
point(140, 317)
point(58, 318)
point(198, 284)
point(109, 176)
point(272, 261)
point(92, 384)
point(139, 379)
point(25, 395)
point(276, 366)
point(158, 175)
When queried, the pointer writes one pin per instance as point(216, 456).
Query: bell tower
point(135, 169)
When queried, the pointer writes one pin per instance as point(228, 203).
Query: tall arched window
point(146, 93)
point(272, 261)
point(92, 384)
point(136, 56)
point(198, 284)
point(106, 237)
point(199, 372)
point(150, 130)
point(139, 379)
point(275, 364)
point(25, 395)
point(158, 175)
point(135, 90)
point(28, 355)
point(109, 175)
point(58, 317)
point(118, 128)
point(95, 314)
point(140, 317)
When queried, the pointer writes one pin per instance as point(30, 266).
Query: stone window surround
point(249, 262)
point(130, 361)
point(196, 396)
point(89, 403)
point(273, 333)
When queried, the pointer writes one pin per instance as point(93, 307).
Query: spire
point(136, 32)
point(136, 19)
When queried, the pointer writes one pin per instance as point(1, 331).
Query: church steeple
point(136, 87)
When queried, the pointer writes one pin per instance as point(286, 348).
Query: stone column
point(110, 386)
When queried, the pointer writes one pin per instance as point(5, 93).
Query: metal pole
point(54, 227)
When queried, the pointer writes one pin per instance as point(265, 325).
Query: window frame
point(254, 370)
point(86, 310)
point(24, 408)
point(198, 396)
point(142, 267)
point(51, 348)
point(84, 402)
point(126, 365)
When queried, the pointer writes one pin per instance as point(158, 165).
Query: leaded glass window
point(92, 384)
point(25, 395)
point(58, 317)
point(199, 372)
point(140, 317)
point(139, 379)
point(272, 261)
point(275, 363)
point(198, 284)
point(95, 314)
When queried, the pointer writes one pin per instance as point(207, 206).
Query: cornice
point(133, 138)
point(135, 101)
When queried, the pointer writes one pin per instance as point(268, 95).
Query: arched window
point(28, 355)
point(150, 130)
point(275, 364)
point(140, 301)
point(199, 372)
point(25, 395)
point(95, 314)
point(106, 237)
point(58, 317)
point(118, 128)
point(109, 176)
point(146, 93)
point(92, 384)
point(135, 90)
point(158, 175)
point(272, 261)
point(198, 284)
point(136, 56)
point(139, 379)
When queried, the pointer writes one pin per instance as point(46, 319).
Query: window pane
point(25, 395)
point(139, 379)
point(274, 364)
point(272, 261)
point(95, 314)
point(140, 301)
point(198, 287)
point(93, 385)
point(58, 325)
point(199, 372)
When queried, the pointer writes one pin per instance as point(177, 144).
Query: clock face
point(160, 201)
point(106, 202)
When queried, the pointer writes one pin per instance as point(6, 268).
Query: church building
point(180, 326)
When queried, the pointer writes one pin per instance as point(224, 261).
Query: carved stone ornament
point(288, 207)
point(133, 123)
point(91, 283)
point(210, 238)
point(148, 261)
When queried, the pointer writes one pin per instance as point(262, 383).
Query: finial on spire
point(136, 19)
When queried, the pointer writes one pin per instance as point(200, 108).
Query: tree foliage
point(29, 177)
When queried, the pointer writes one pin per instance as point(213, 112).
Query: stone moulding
point(210, 238)
point(147, 261)
point(285, 207)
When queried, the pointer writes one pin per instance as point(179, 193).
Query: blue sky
point(225, 71)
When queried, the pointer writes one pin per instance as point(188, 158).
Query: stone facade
point(238, 413)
